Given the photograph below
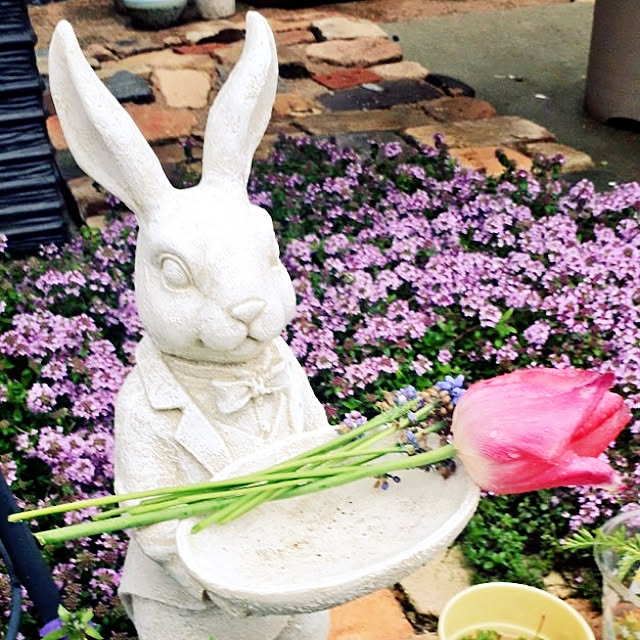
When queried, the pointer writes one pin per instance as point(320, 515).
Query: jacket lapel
point(194, 432)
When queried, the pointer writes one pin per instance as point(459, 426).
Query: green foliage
point(75, 626)
point(625, 547)
point(514, 538)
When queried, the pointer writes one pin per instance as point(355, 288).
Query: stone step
point(501, 130)
point(376, 616)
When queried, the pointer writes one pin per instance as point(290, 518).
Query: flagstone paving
point(341, 77)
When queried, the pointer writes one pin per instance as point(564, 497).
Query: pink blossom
point(539, 428)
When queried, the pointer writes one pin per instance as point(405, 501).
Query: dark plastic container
point(36, 207)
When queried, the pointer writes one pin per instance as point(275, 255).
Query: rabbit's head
point(209, 282)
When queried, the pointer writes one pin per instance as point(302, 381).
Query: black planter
point(35, 203)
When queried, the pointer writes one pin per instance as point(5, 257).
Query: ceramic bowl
point(155, 14)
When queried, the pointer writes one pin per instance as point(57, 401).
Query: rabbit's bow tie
point(233, 394)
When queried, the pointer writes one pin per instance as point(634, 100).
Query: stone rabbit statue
point(213, 380)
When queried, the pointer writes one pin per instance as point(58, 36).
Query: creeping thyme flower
point(393, 264)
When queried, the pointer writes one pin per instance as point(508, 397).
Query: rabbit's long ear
point(240, 114)
point(103, 138)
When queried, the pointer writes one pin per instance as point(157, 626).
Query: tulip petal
point(577, 470)
point(554, 380)
point(530, 423)
point(532, 475)
point(603, 426)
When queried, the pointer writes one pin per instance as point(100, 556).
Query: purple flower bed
point(407, 269)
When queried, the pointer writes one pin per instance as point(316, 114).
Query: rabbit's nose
point(248, 310)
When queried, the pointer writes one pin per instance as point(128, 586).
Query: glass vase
point(620, 595)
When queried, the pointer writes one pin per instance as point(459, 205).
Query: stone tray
point(313, 552)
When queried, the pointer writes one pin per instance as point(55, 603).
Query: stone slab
point(555, 584)
point(574, 160)
point(377, 616)
point(186, 88)
point(133, 46)
point(361, 142)
point(347, 78)
point(395, 119)
point(156, 123)
point(99, 52)
point(228, 56)
point(129, 87)
point(169, 153)
point(175, 40)
point(55, 133)
point(362, 52)
point(145, 63)
point(200, 49)
point(393, 92)
point(97, 222)
point(90, 201)
point(293, 105)
point(460, 108)
point(432, 586)
point(297, 36)
point(501, 130)
point(484, 159)
point(343, 28)
point(304, 87)
point(215, 31)
point(292, 24)
point(404, 70)
point(316, 68)
point(292, 62)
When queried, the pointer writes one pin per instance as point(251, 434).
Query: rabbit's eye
point(174, 274)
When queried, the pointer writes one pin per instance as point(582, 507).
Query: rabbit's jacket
point(164, 438)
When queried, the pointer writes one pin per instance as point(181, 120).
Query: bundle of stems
point(348, 457)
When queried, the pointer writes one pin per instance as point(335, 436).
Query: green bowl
point(155, 14)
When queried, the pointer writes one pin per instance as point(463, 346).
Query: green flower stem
point(388, 416)
point(411, 462)
point(242, 505)
point(196, 495)
point(419, 460)
point(154, 505)
point(238, 508)
point(255, 479)
point(90, 528)
point(329, 465)
point(383, 418)
point(204, 507)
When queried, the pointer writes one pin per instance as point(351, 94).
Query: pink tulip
point(538, 428)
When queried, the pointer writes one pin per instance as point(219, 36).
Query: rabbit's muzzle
point(248, 310)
